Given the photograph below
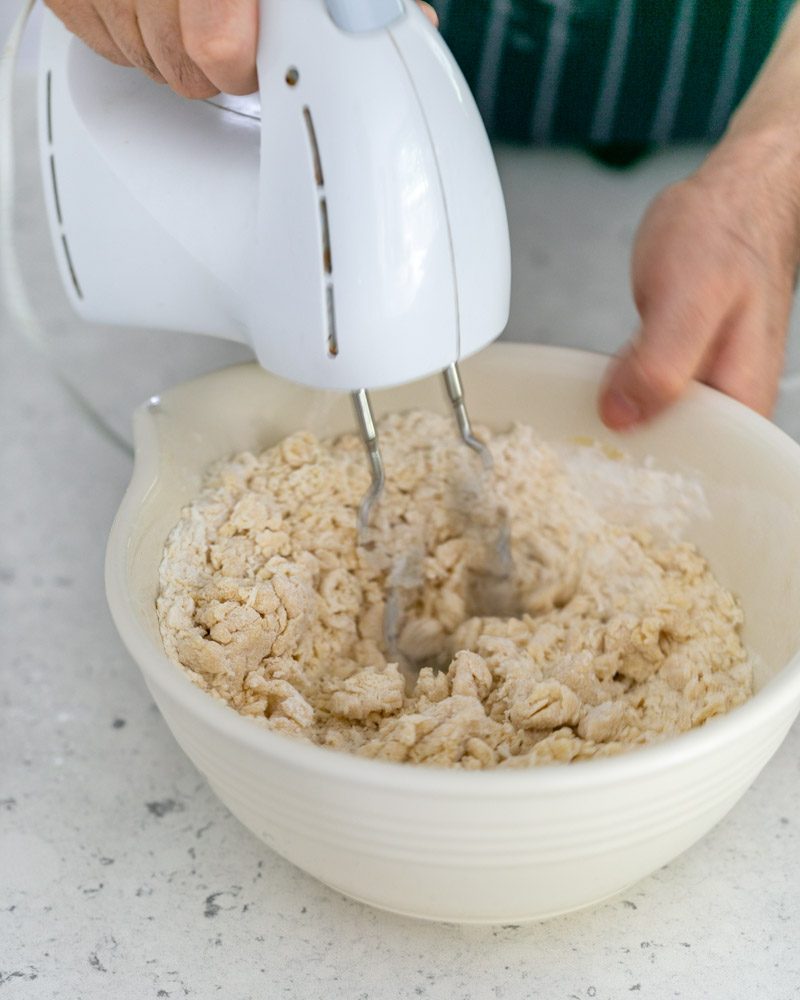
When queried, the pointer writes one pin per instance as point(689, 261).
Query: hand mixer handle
point(382, 252)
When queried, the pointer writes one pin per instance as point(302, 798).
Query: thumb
point(655, 369)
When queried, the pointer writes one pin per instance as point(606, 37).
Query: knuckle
point(142, 60)
point(195, 89)
point(119, 12)
point(113, 55)
point(188, 80)
point(182, 75)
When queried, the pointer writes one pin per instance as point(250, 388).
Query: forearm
point(771, 108)
point(758, 158)
point(716, 257)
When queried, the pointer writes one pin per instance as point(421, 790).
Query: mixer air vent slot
point(56, 199)
point(312, 138)
point(327, 256)
point(54, 183)
point(333, 342)
point(325, 235)
point(70, 267)
point(50, 108)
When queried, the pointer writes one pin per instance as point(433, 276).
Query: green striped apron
point(614, 76)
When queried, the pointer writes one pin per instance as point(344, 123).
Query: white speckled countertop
point(121, 876)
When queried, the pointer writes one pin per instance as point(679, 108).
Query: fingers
point(121, 23)
point(221, 38)
point(160, 29)
point(83, 20)
point(198, 47)
point(653, 371)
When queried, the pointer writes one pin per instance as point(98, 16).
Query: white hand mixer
point(348, 223)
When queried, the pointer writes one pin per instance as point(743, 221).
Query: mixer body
point(348, 224)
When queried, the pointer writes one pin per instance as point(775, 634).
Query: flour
point(620, 635)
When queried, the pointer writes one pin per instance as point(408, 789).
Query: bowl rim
point(779, 696)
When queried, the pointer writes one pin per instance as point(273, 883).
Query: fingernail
point(620, 411)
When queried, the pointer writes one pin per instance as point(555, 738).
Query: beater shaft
point(369, 435)
point(455, 390)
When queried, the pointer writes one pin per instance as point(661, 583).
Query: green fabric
point(610, 73)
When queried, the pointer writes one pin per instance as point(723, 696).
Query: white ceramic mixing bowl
point(497, 845)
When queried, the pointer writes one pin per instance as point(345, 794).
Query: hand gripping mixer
point(348, 223)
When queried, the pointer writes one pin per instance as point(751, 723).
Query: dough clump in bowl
point(617, 634)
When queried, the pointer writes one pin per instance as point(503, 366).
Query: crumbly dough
point(606, 633)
